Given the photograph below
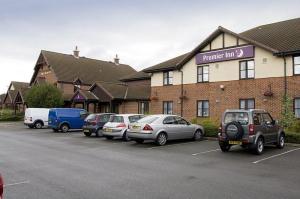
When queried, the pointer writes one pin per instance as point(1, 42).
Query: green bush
point(295, 127)
point(292, 137)
point(210, 126)
point(9, 115)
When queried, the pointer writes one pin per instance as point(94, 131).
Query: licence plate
point(108, 130)
point(135, 127)
point(86, 131)
point(235, 142)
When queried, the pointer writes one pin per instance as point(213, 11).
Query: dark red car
point(1, 186)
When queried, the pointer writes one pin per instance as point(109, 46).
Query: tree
point(44, 96)
point(288, 118)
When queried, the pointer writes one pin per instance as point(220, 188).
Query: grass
point(7, 115)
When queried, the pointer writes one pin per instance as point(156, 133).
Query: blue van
point(66, 118)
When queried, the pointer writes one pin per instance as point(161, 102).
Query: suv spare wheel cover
point(234, 131)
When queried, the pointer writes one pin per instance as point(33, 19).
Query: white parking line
point(17, 183)
point(170, 145)
point(194, 154)
point(273, 156)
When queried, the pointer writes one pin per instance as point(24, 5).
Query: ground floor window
point(168, 107)
point(297, 107)
point(247, 104)
point(143, 107)
point(203, 108)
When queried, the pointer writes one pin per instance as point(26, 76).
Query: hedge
point(210, 126)
point(292, 137)
point(9, 115)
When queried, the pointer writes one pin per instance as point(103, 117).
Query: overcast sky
point(142, 33)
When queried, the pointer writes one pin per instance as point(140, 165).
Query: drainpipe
point(181, 98)
point(285, 77)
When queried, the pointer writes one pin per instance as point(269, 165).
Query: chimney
point(76, 52)
point(117, 60)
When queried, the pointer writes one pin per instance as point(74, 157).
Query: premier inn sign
point(225, 54)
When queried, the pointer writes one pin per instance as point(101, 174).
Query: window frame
point(202, 67)
point(167, 73)
point(246, 103)
point(294, 107)
point(246, 70)
point(294, 65)
point(168, 102)
point(202, 108)
point(140, 106)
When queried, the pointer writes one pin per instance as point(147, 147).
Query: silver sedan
point(162, 128)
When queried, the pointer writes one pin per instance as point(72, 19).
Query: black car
point(94, 123)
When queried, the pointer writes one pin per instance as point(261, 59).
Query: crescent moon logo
point(240, 53)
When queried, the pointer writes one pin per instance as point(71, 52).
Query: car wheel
point(225, 147)
point(161, 139)
point(31, 126)
point(64, 128)
point(99, 133)
point(259, 147)
point(88, 134)
point(140, 141)
point(198, 135)
point(38, 125)
point(125, 136)
point(109, 137)
point(55, 130)
point(281, 141)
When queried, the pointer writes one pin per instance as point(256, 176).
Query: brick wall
point(128, 107)
point(220, 100)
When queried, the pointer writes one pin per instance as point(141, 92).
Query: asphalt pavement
point(41, 164)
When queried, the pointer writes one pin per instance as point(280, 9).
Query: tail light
point(251, 129)
point(93, 123)
point(122, 125)
point(30, 119)
point(147, 127)
point(221, 129)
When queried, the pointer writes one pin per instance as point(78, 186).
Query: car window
point(267, 118)
point(104, 118)
point(180, 120)
point(241, 117)
point(170, 120)
point(83, 114)
point(90, 117)
point(256, 118)
point(148, 119)
point(134, 118)
point(117, 119)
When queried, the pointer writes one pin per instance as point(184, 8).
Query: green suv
point(251, 129)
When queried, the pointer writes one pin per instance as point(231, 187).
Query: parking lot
point(41, 164)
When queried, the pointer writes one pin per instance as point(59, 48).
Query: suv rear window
point(241, 117)
point(117, 119)
point(91, 117)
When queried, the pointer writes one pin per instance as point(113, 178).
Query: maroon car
point(1, 187)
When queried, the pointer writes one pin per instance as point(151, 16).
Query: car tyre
point(31, 126)
point(198, 135)
point(161, 139)
point(99, 133)
point(125, 136)
point(55, 130)
point(140, 141)
point(281, 141)
point(225, 147)
point(64, 128)
point(38, 125)
point(87, 134)
point(109, 137)
point(259, 146)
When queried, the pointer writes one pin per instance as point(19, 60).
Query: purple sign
point(226, 54)
point(78, 97)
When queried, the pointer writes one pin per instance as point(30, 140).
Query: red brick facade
point(220, 100)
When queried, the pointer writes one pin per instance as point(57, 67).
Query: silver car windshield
point(116, 119)
point(148, 119)
point(240, 117)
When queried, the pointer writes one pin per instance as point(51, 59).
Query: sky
point(142, 33)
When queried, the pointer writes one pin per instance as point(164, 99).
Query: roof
point(141, 75)
point(2, 96)
point(284, 36)
point(12, 95)
point(19, 85)
point(23, 92)
point(68, 68)
point(166, 65)
point(88, 95)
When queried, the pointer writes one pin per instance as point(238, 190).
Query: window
point(170, 120)
point(257, 119)
point(240, 117)
point(247, 69)
point(168, 78)
point(247, 104)
point(83, 114)
point(203, 74)
point(296, 61)
point(297, 107)
point(181, 121)
point(203, 108)
point(143, 107)
point(168, 107)
point(267, 119)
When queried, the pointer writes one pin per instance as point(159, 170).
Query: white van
point(36, 117)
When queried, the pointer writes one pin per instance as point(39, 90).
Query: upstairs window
point(247, 69)
point(202, 74)
point(168, 107)
point(296, 61)
point(168, 78)
point(247, 104)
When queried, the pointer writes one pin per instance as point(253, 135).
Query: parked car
point(118, 125)
point(94, 123)
point(162, 128)
point(66, 118)
point(36, 117)
point(1, 187)
point(251, 129)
